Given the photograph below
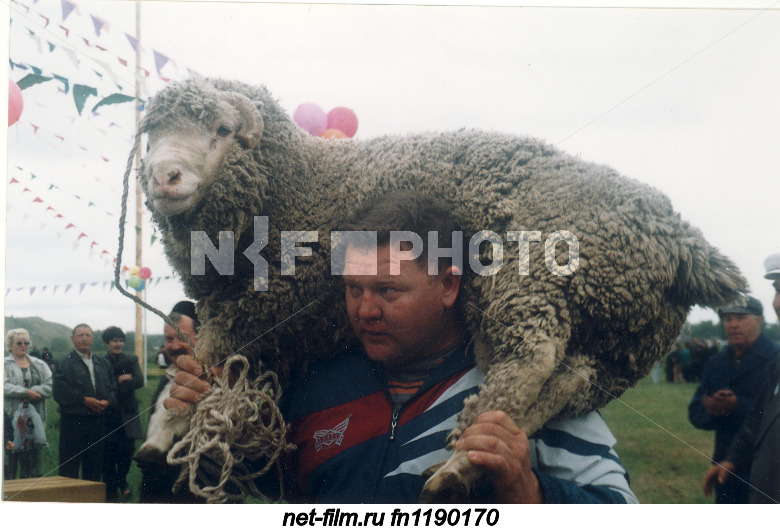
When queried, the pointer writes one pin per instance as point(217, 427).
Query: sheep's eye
point(224, 131)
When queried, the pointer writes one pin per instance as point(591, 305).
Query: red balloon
point(311, 118)
point(144, 273)
point(344, 119)
point(15, 102)
point(333, 133)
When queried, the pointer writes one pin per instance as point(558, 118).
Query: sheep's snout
point(162, 181)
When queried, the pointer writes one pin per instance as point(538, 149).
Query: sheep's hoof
point(150, 455)
point(444, 488)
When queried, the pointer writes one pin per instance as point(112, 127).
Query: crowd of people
point(412, 366)
point(99, 415)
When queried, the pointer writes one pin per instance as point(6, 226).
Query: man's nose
point(369, 309)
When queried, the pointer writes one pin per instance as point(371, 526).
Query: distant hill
point(43, 333)
point(56, 337)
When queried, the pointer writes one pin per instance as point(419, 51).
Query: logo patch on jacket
point(329, 437)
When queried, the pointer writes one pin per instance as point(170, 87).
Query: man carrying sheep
point(369, 423)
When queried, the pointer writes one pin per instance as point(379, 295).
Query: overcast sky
point(682, 98)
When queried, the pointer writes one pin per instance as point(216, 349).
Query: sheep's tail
point(705, 276)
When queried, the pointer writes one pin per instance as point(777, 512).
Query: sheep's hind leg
point(454, 480)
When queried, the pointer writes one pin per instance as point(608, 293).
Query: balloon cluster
point(339, 123)
point(138, 277)
point(15, 102)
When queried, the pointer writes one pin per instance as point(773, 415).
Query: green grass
point(664, 454)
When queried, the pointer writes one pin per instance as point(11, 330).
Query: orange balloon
point(333, 133)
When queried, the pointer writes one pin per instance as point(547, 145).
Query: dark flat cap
point(752, 306)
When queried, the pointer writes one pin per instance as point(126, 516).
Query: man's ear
point(450, 280)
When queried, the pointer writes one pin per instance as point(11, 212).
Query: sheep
point(552, 344)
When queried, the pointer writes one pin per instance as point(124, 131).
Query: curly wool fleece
point(552, 346)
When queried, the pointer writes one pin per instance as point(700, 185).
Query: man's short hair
point(111, 333)
point(80, 325)
point(409, 211)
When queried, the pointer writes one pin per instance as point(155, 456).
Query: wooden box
point(54, 489)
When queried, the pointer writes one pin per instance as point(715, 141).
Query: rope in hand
point(237, 433)
point(230, 427)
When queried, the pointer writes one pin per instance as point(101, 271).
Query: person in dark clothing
point(157, 479)
point(730, 384)
point(123, 425)
point(755, 448)
point(84, 388)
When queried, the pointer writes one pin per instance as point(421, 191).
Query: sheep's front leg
point(541, 391)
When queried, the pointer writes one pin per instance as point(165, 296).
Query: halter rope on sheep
point(231, 425)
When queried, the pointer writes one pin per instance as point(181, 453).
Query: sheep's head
point(191, 128)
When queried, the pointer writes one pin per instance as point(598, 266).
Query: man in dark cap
point(755, 447)
point(731, 381)
point(158, 479)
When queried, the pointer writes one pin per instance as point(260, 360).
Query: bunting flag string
point(80, 91)
point(58, 187)
point(42, 132)
point(66, 288)
point(100, 26)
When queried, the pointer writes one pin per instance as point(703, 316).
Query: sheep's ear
point(252, 128)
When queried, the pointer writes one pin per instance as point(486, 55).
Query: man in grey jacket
point(84, 388)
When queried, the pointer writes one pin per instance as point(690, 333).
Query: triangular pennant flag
point(99, 23)
point(72, 56)
point(14, 180)
point(46, 19)
point(64, 81)
point(69, 286)
point(55, 289)
point(82, 235)
point(114, 99)
point(43, 289)
point(31, 79)
point(81, 286)
point(69, 226)
point(66, 30)
point(80, 94)
point(160, 61)
point(67, 8)
point(32, 290)
point(37, 200)
point(36, 71)
point(133, 41)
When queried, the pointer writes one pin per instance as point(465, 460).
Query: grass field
point(663, 453)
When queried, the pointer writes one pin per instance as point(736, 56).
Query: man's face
point(116, 345)
point(742, 330)
point(173, 345)
point(776, 301)
point(398, 317)
point(82, 339)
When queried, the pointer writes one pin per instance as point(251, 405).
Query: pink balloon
point(144, 273)
point(16, 103)
point(344, 119)
point(311, 118)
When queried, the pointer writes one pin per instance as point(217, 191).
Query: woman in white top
point(28, 380)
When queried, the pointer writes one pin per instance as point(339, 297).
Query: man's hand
point(188, 383)
point(33, 395)
point(717, 474)
point(9, 445)
point(95, 405)
point(721, 403)
point(124, 377)
point(495, 442)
